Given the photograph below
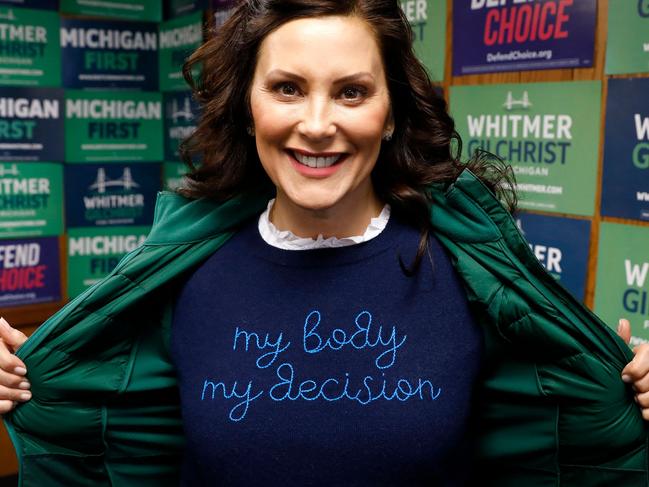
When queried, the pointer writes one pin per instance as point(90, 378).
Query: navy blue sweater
point(325, 367)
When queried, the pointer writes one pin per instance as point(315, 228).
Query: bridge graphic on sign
point(102, 182)
point(8, 16)
point(11, 170)
point(511, 102)
point(185, 111)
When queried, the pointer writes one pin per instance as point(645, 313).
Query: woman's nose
point(317, 119)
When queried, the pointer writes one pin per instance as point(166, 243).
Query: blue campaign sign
point(29, 271)
point(40, 4)
point(625, 181)
point(561, 245)
point(31, 124)
point(111, 194)
point(181, 117)
point(507, 35)
point(109, 54)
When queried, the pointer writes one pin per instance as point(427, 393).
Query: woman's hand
point(636, 372)
point(14, 386)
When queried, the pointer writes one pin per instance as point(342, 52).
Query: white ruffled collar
point(287, 240)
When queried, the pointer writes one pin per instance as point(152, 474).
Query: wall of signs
point(93, 108)
point(558, 89)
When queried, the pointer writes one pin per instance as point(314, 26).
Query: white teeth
point(316, 161)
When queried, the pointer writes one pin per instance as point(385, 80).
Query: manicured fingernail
point(3, 322)
point(26, 396)
point(20, 370)
point(626, 378)
point(24, 385)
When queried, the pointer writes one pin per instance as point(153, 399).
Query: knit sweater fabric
point(326, 366)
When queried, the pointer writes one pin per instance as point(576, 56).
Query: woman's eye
point(286, 89)
point(353, 93)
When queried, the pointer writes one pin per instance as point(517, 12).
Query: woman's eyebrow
point(345, 79)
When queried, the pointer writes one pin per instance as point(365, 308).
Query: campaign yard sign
point(147, 10)
point(29, 47)
point(561, 246)
point(114, 126)
point(548, 132)
point(178, 39)
point(172, 175)
point(625, 181)
point(622, 289)
point(515, 35)
point(111, 194)
point(39, 4)
point(627, 44)
point(31, 199)
point(94, 252)
point(29, 271)
point(181, 117)
point(31, 124)
point(428, 21)
point(109, 54)
point(178, 8)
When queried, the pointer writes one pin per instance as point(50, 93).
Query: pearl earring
point(251, 130)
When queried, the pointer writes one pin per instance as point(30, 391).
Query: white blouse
point(287, 240)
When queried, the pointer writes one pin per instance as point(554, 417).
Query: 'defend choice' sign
point(181, 117)
point(112, 194)
point(625, 181)
point(31, 199)
point(627, 44)
point(148, 10)
point(94, 252)
point(514, 35)
point(29, 47)
point(622, 289)
point(31, 124)
point(178, 39)
point(113, 126)
point(109, 54)
point(561, 246)
point(29, 271)
point(428, 21)
point(548, 132)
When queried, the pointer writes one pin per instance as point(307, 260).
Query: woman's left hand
point(636, 372)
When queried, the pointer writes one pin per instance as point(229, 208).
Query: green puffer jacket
point(106, 413)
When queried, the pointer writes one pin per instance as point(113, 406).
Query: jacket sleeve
point(554, 409)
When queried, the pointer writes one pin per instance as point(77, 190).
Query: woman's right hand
point(14, 386)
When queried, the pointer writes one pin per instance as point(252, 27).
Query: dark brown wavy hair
point(425, 147)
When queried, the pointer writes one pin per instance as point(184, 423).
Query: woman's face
point(320, 106)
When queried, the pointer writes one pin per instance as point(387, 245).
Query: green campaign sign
point(113, 126)
point(149, 10)
point(627, 46)
point(31, 199)
point(172, 174)
point(30, 52)
point(178, 38)
point(94, 252)
point(428, 21)
point(548, 132)
point(622, 289)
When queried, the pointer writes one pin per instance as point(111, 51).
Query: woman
point(353, 364)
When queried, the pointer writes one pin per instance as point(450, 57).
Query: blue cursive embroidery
point(359, 339)
point(276, 346)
